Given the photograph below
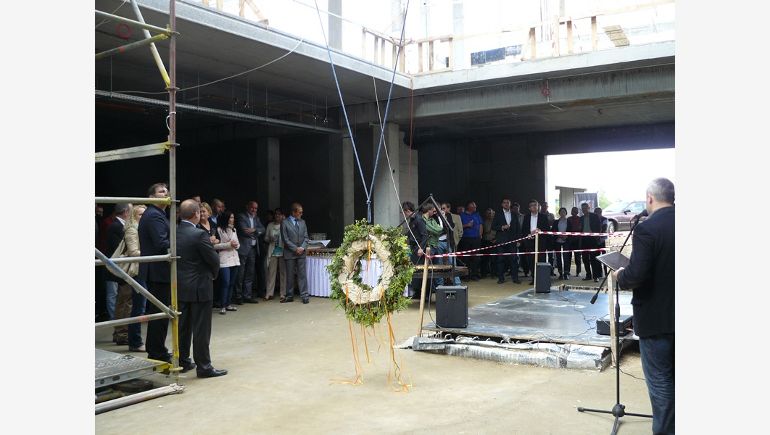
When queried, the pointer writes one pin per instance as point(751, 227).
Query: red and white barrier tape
point(468, 254)
point(563, 233)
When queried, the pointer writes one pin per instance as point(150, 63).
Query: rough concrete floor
point(286, 362)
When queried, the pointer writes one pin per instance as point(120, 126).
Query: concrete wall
point(485, 170)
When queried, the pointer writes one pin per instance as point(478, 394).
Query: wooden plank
point(422, 290)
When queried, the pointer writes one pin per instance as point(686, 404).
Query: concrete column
point(268, 173)
point(348, 179)
point(386, 206)
point(335, 24)
point(408, 180)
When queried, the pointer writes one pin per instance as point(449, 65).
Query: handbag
point(132, 269)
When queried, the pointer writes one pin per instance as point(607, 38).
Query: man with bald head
point(198, 266)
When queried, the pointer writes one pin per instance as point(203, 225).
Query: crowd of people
point(225, 259)
point(504, 231)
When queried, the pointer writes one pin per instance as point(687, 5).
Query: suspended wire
point(344, 111)
point(390, 92)
point(111, 13)
point(222, 79)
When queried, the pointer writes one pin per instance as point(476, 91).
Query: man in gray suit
point(295, 240)
point(250, 231)
point(198, 266)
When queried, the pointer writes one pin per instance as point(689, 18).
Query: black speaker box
point(543, 283)
point(603, 324)
point(452, 306)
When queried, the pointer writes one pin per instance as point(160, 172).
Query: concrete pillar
point(348, 169)
point(408, 180)
point(335, 24)
point(387, 207)
point(268, 173)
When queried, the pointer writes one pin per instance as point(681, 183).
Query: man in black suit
point(651, 274)
point(507, 226)
point(118, 291)
point(417, 237)
point(533, 222)
point(198, 266)
point(154, 240)
point(590, 223)
point(250, 232)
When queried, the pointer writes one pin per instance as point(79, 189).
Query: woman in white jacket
point(228, 258)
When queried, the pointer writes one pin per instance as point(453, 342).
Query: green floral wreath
point(361, 302)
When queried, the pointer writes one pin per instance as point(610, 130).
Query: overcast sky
point(621, 175)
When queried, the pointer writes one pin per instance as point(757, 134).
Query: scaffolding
point(112, 368)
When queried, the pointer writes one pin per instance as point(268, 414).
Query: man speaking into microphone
point(650, 273)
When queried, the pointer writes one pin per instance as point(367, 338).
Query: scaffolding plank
point(133, 152)
point(112, 368)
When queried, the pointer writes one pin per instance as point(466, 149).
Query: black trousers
point(486, 263)
point(503, 261)
point(467, 243)
point(195, 327)
point(591, 264)
point(155, 341)
point(529, 259)
point(563, 259)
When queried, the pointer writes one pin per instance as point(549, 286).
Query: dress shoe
point(251, 301)
point(282, 300)
point(290, 299)
point(222, 311)
point(587, 278)
point(140, 348)
point(305, 300)
point(122, 342)
point(516, 281)
point(238, 301)
point(501, 281)
point(186, 366)
point(211, 372)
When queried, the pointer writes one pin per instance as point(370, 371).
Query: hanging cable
point(345, 112)
point(222, 79)
point(390, 92)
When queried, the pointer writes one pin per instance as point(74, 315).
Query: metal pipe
point(131, 46)
point(139, 200)
point(134, 23)
point(138, 397)
point(129, 320)
point(216, 112)
point(120, 273)
point(153, 49)
point(172, 178)
point(147, 259)
point(132, 152)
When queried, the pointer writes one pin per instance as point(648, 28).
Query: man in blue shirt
point(472, 232)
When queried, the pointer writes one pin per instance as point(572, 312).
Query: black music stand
point(614, 261)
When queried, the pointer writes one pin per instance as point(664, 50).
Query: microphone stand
point(635, 220)
point(619, 410)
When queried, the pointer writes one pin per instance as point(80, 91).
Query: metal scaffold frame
point(167, 312)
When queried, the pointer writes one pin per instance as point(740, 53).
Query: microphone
point(644, 213)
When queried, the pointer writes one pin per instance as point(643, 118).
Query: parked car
point(619, 214)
